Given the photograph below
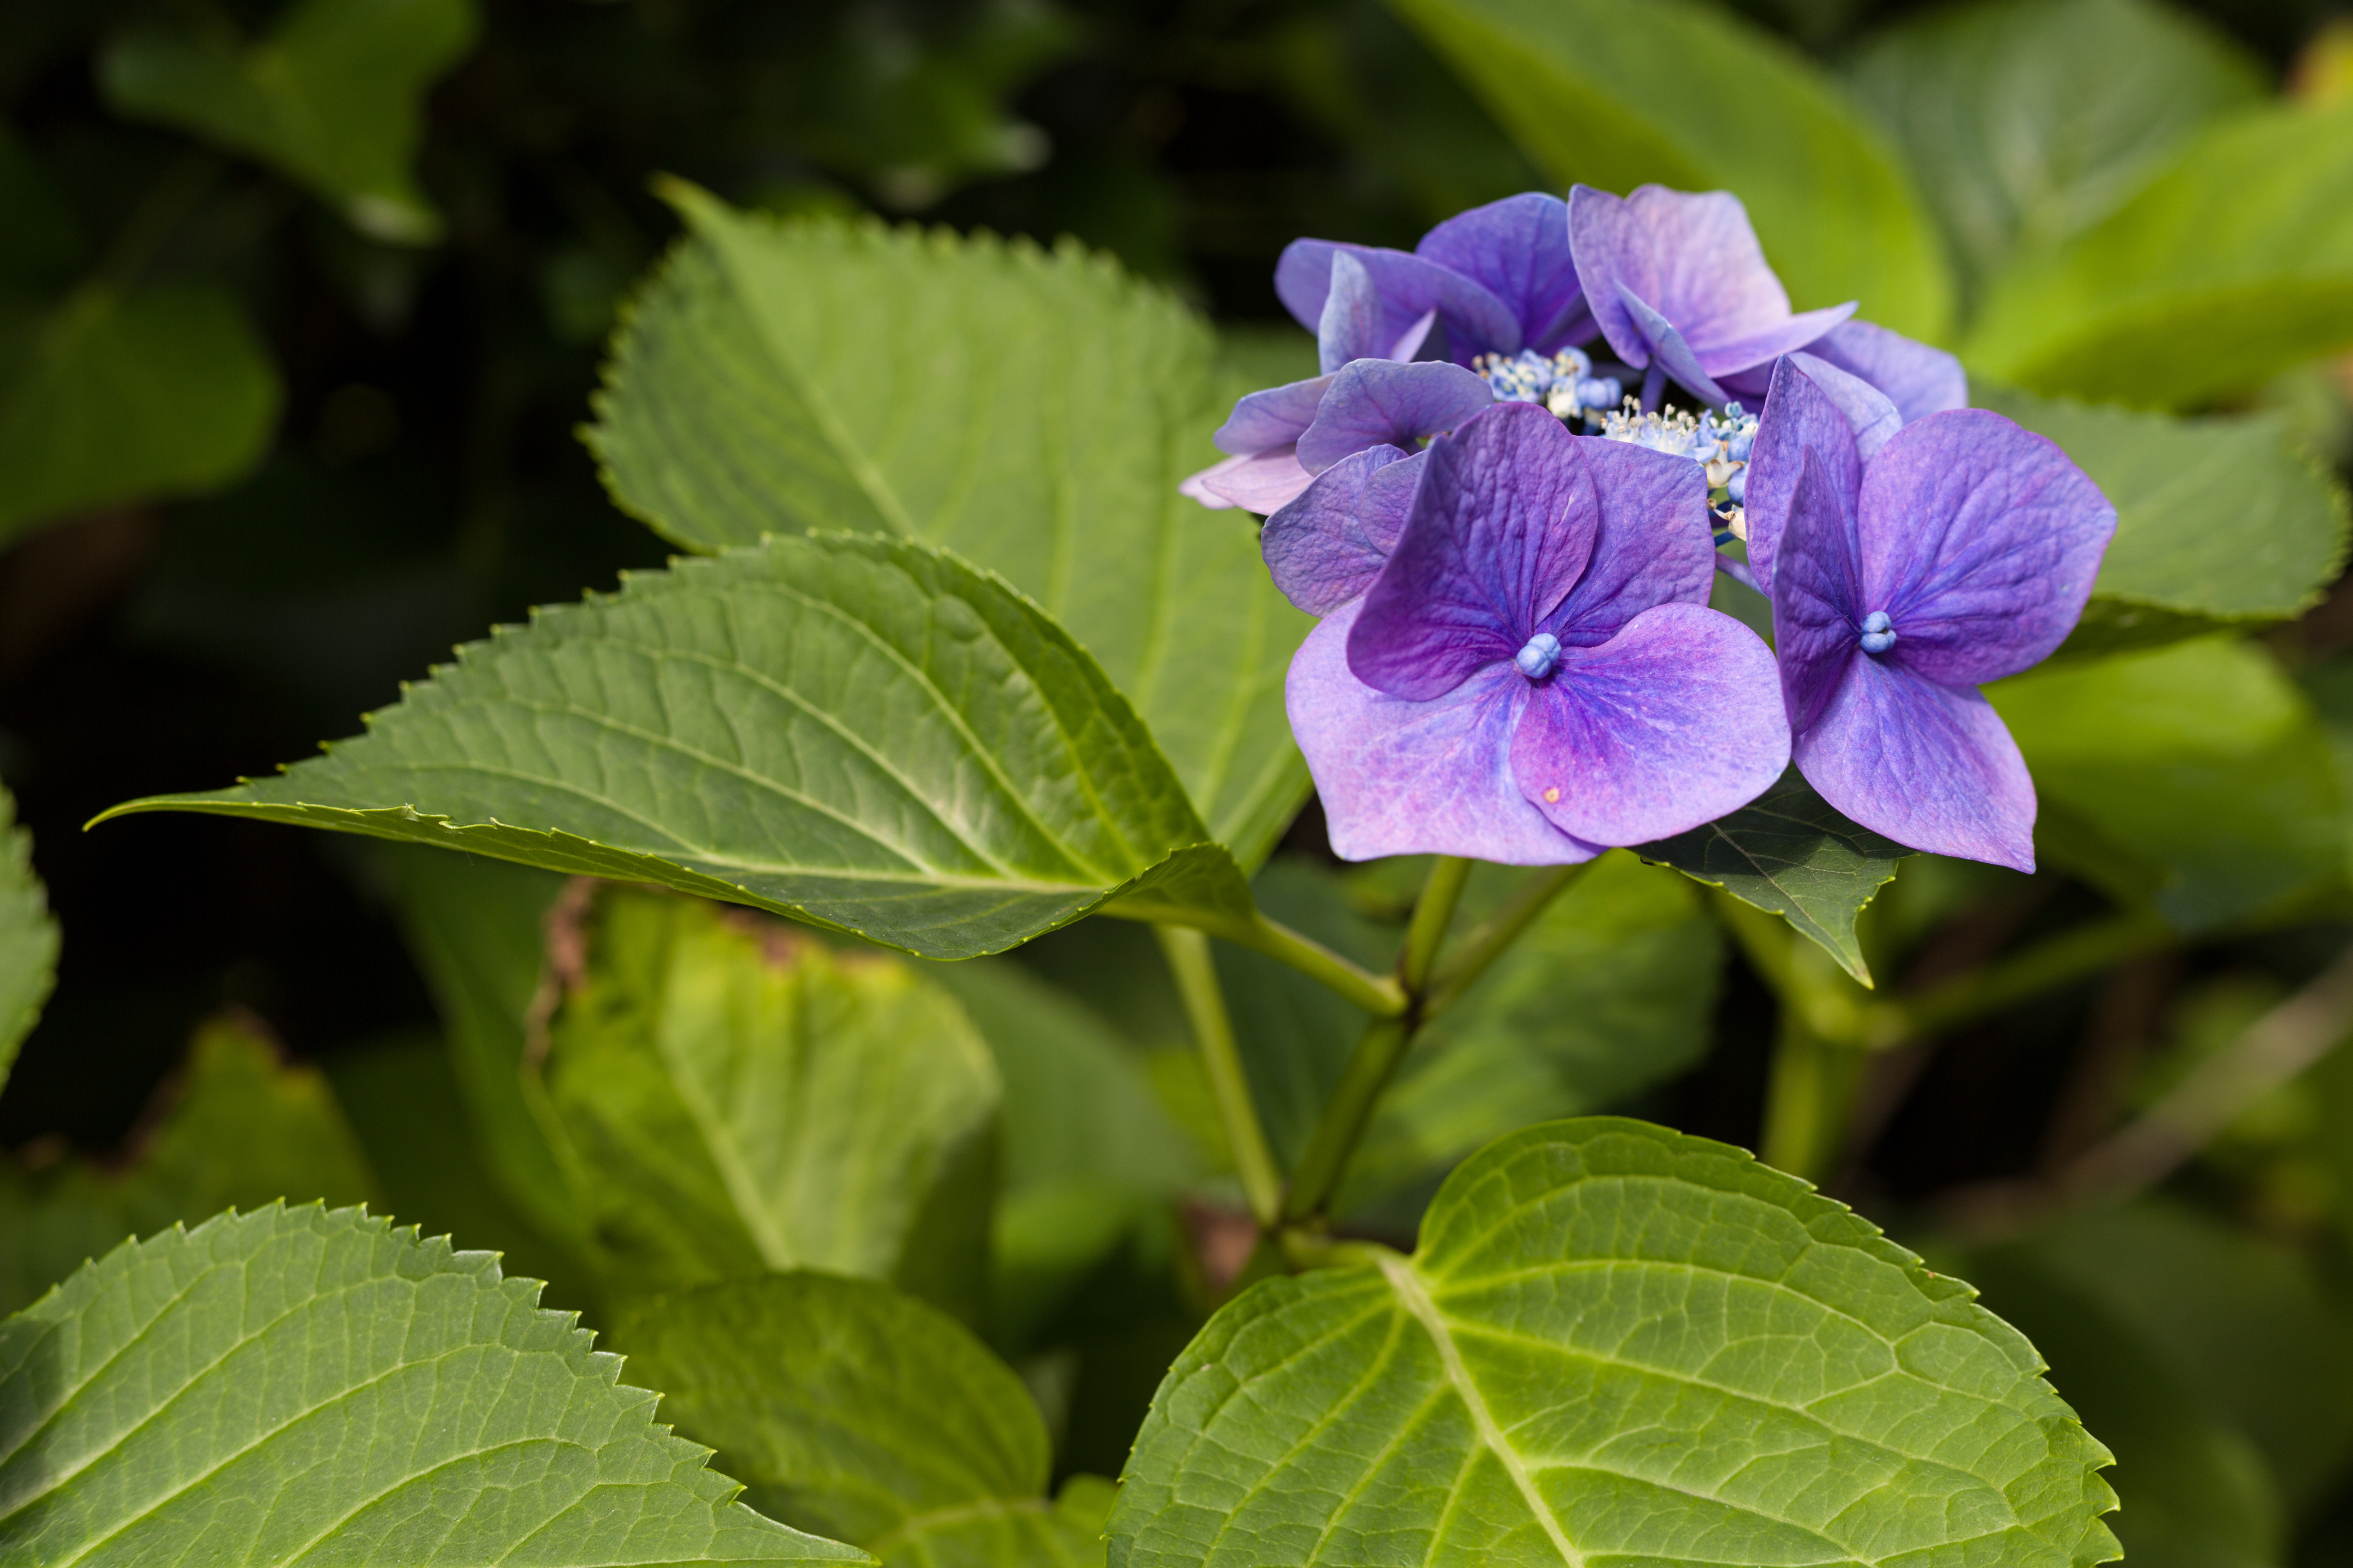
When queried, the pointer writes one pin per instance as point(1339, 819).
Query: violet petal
point(1399, 777)
point(1373, 402)
point(1674, 722)
point(1476, 322)
point(1668, 348)
point(1517, 248)
point(1196, 486)
point(1262, 482)
point(1276, 416)
point(1654, 543)
point(1917, 379)
point(1502, 524)
point(1351, 326)
point(1981, 541)
point(1799, 418)
point(1817, 591)
point(1769, 342)
point(1931, 766)
point(1319, 548)
point(1868, 414)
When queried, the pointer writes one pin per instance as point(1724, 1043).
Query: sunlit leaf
point(2218, 521)
point(28, 937)
point(237, 1127)
point(1791, 853)
point(1685, 95)
point(116, 397)
point(853, 1410)
point(2195, 777)
point(2232, 265)
point(2025, 120)
point(333, 96)
point(731, 1096)
point(863, 734)
point(1614, 1343)
point(299, 1385)
point(1032, 412)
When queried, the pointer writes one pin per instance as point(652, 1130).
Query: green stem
point(1433, 912)
point(1196, 973)
point(1376, 993)
point(1810, 1100)
point(1486, 941)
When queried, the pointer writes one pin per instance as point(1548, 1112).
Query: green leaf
point(1789, 853)
point(1612, 990)
point(1685, 95)
point(237, 1127)
point(334, 97)
point(116, 397)
point(863, 734)
point(850, 1409)
point(2218, 521)
point(2025, 120)
point(28, 938)
point(2233, 265)
point(301, 1385)
point(731, 1097)
point(2193, 777)
point(1033, 413)
point(1615, 1344)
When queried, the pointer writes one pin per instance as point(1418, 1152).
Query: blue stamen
point(1537, 659)
point(1878, 632)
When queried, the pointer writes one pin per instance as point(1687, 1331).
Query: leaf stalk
point(1195, 971)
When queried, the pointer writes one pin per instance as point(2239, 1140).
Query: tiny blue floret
point(1878, 632)
point(1537, 659)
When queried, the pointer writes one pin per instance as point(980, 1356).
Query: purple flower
point(1535, 675)
point(1681, 289)
point(1961, 553)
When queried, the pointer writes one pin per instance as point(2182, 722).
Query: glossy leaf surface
point(1689, 96)
point(1791, 853)
point(855, 1411)
point(305, 1384)
point(1614, 1342)
point(2242, 248)
point(334, 97)
point(28, 937)
point(859, 733)
point(730, 1096)
point(1032, 412)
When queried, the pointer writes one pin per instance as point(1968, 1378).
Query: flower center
point(1565, 384)
point(1878, 632)
point(1537, 659)
point(1718, 442)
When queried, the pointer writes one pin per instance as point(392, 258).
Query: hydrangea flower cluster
point(1513, 558)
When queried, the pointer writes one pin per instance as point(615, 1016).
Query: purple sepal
point(1917, 379)
point(1263, 483)
point(1409, 286)
point(1378, 402)
point(1400, 777)
point(1693, 261)
point(1799, 418)
point(1653, 542)
point(1517, 249)
point(1662, 342)
point(1327, 547)
point(1667, 725)
point(1873, 419)
point(1355, 326)
point(1275, 417)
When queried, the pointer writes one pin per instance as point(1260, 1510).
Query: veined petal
point(1917, 379)
point(1502, 524)
point(1327, 547)
point(1402, 777)
point(1476, 322)
point(1981, 541)
point(1928, 765)
point(1377, 402)
point(1517, 249)
point(1800, 417)
point(1351, 325)
point(1817, 592)
point(1668, 348)
point(1674, 722)
point(1277, 416)
point(1769, 342)
point(1654, 543)
point(1262, 482)
point(1868, 414)
point(1695, 260)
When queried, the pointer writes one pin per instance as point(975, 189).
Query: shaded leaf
point(1033, 413)
point(2026, 121)
point(2193, 777)
point(1791, 853)
point(1615, 1342)
point(859, 733)
point(237, 1127)
point(2234, 264)
point(334, 97)
point(850, 1409)
point(28, 937)
point(1615, 95)
point(300, 1383)
point(111, 398)
point(730, 1096)
point(2219, 519)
